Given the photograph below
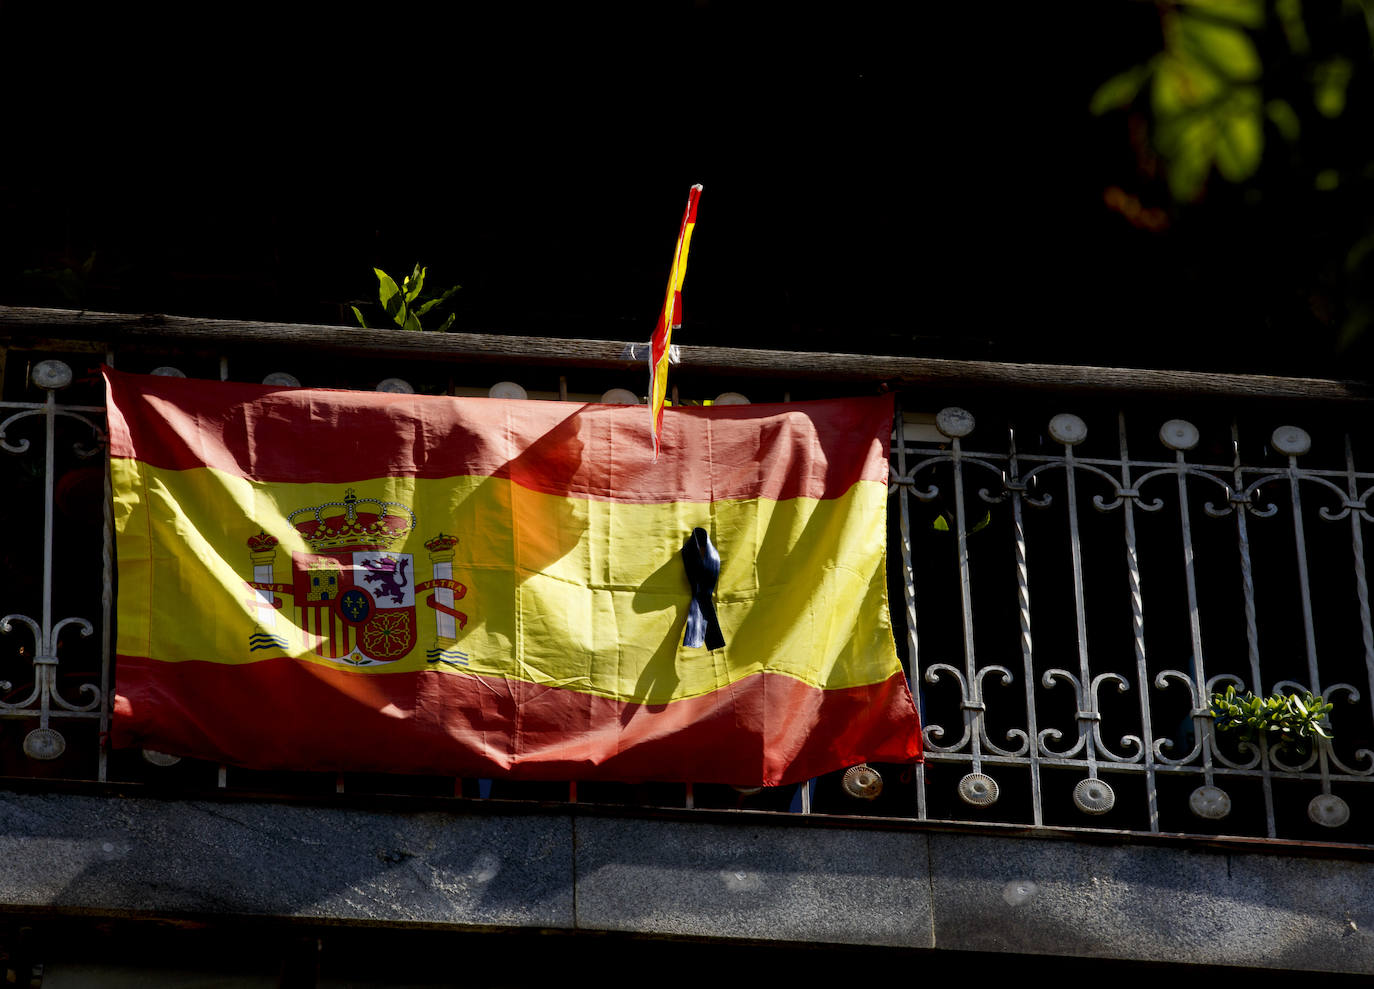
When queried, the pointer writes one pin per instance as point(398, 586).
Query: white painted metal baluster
point(1292, 442)
point(1091, 796)
point(972, 703)
point(1361, 580)
point(1247, 574)
point(45, 656)
point(1023, 606)
point(1247, 580)
point(1142, 673)
point(1201, 714)
point(909, 595)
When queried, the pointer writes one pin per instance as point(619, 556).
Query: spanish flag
point(349, 581)
point(669, 319)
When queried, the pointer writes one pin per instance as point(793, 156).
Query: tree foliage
point(1271, 98)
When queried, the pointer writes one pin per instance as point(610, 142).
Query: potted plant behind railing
point(1279, 719)
point(1283, 720)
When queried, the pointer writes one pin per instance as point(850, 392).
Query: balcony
point(1079, 558)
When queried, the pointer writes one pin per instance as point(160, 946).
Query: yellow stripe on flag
point(594, 602)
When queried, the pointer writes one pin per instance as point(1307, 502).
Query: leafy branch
point(406, 303)
point(1230, 70)
point(1204, 92)
point(1290, 718)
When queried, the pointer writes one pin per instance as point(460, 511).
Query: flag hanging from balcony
point(329, 580)
point(660, 344)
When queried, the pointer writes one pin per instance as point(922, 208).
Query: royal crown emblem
point(262, 543)
point(353, 522)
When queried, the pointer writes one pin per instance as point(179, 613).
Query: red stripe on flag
point(806, 449)
point(765, 728)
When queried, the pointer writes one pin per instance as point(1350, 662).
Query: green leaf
point(1181, 83)
point(1221, 47)
point(1190, 158)
point(1294, 28)
point(414, 282)
point(1241, 136)
point(1185, 135)
point(388, 294)
point(359, 316)
point(1284, 118)
point(392, 301)
point(1118, 91)
point(437, 300)
point(944, 521)
point(1247, 12)
point(1330, 80)
point(447, 324)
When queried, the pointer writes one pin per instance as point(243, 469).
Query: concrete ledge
point(743, 879)
point(1151, 903)
point(199, 857)
point(765, 883)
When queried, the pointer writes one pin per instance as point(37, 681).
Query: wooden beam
point(23, 325)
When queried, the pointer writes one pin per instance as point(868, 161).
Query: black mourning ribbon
point(702, 563)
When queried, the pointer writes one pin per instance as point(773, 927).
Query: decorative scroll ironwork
point(45, 700)
point(1048, 735)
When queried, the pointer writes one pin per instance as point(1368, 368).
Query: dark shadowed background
point(924, 181)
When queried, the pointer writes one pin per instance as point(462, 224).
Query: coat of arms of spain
point(354, 595)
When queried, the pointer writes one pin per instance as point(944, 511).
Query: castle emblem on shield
point(354, 595)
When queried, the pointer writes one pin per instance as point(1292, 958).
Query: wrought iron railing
point(33, 678)
point(1068, 591)
point(1128, 581)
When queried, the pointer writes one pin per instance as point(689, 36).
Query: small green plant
point(1290, 718)
point(406, 303)
point(944, 522)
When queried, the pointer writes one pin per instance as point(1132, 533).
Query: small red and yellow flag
point(669, 320)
